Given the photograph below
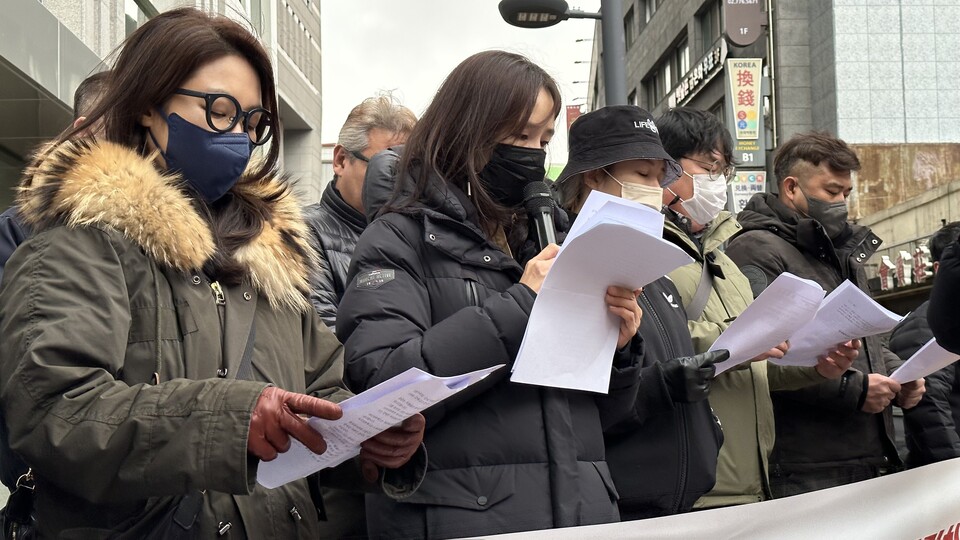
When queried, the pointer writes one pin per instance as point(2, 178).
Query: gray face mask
point(831, 216)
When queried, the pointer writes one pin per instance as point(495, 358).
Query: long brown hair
point(153, 62)
point(489, 96)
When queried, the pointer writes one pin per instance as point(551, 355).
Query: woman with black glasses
point(156, 341)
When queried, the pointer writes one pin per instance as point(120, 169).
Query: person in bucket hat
point(607, 138)
point(663, 457)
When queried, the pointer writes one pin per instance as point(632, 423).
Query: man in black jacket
point(838, 431)
point(933, 426)
point(338, 219)
point(336, 223)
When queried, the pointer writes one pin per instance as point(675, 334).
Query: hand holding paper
point(846, 313)
point(365, 416)
point(787, 304)
point(572, 333)
point(391, 448)
point(930, 358)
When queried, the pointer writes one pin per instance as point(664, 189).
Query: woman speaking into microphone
point(441, 281)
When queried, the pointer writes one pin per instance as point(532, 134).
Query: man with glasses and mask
point(336, 223)
point(715, 292)
point(839, 431)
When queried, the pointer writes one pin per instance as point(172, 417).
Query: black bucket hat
point(613, 134)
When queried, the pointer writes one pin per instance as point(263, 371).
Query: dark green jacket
point(117, 365)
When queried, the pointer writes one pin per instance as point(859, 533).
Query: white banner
point(919, 504)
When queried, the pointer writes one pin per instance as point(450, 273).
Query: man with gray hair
point(336, 223)
point(338, 219)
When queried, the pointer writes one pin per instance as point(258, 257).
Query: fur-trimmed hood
point(84, 183)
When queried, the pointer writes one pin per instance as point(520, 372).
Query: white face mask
point(709, 198)
point(639, 193)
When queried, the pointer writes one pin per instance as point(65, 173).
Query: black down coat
point(664, 456)
point(932, 428)
point(335, 227)
point(428, 290)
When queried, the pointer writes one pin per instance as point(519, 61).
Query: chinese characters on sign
point(699, 75)
point(744, 186)
point(744, 105)
point(744, 75)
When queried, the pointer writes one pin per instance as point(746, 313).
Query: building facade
point(881, 74)
point(48, 47)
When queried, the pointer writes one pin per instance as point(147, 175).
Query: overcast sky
point(409, 47)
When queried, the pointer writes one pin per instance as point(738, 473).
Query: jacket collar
point(332, 201)
point(721, 229)
point(765, 211)
point(83, 183)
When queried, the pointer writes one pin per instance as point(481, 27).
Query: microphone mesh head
point(536, 196)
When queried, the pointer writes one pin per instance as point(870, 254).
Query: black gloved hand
point(688, 378)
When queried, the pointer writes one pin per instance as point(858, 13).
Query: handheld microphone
point(539, 206)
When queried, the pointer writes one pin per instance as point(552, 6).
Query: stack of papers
point(930, 358)
point(571, 335)
point(795, 309)
point(785, 305)
point(846, 313)
point(365, 415)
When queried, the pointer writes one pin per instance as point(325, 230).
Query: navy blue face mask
point(210, 162)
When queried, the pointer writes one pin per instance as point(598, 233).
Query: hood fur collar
point(84, 183)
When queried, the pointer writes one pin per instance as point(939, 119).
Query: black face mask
point(509, 170)
point(831, 216)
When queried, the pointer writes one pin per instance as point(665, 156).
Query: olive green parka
point(118, 356)
point(739, 397)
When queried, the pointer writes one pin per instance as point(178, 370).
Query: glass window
point(629, 28)
point(649, 8)
point(709, 22)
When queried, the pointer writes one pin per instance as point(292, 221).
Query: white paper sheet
point(571, 335)
point(785, 305)
point(596, 209)
point(930, 358)
point(364, 416)
point(846, 313)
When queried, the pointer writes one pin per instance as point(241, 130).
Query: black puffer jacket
point(335, 227)
point(428, 290)
point(664, 457)
point(822, 435)
point(932, 428)
point(945, 298)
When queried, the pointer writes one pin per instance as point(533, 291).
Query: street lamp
point(544, 13)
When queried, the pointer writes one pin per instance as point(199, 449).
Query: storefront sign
point(744, 100)
point(698, 76)
point(745, 185)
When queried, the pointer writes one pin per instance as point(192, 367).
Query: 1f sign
point(743, 21)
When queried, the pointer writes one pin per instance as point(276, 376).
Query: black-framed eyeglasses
point(715, 170)
point(223, 112)
point(356, 154)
